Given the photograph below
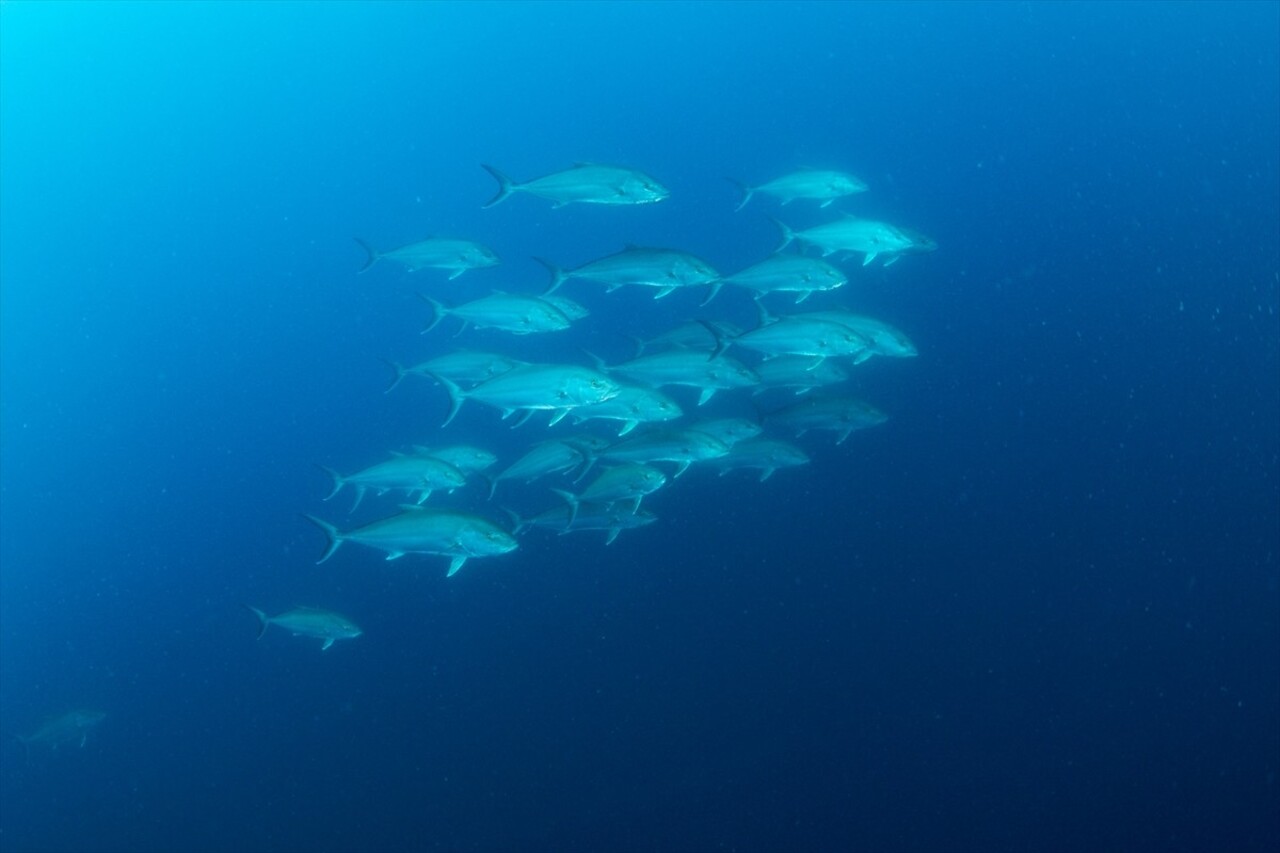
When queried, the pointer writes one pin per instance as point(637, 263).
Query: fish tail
point(456, 398)
point(640, 344)
point(573, 502)
point(505, 185)
point(596, 361)
point(722, 343)
point(558, 275)
point(518, 524)
point(438, 311)
point(492, 481)
point(747, 192)
point(715, 288)
point(263, 621)
point(335, 538)
point(374, 254)
point(787, 235)
point(338, 481)
point(401, 373)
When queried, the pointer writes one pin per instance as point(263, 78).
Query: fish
point(310, 622)
point(729, 430)
point(882, 338)
point(446, 253)
point(822, 185)
point(685, 367)
point(633, 406)
point(71, 727)
point(819, 339)
point(420, 475)
point(838, 414)
point(585, 183)
point(567, 306)
point(665, 269)
point(535, 387)
point(799, 372)
point(421, 530)
point(766, 454)
point(548, 457)
point(690, 335)
point(869, 237)
point(797, 274)
point(459, 366)
point(507, 312)
point(467, 459)
point(613, 518)
point(681, 446)
point(620, 484)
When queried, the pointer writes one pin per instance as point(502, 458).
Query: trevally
point(464, 457)
point(420, 475)
point(548, 457)
point(789, 274)
point(842, 415)
point(310, 622)
point(627, 483)
point(686, 367)
point(799, 372)
point(421, 530)
point(681, 446)
point(585, 183)
point(534, 387)
point(868, 237)
point(884, 339)
point(71, 727)
point(818, 184)
point(765, 454)
point(458, 366)
point(729, 430)
point(665, 269)
point(633, 406)
point(446, 253)
point(613, 518)
point(507, 312)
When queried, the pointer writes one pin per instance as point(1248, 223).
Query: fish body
point(460, 366)
point(623, 483)
point(535, 387)
point(797, 274)
point(567, 306)
point(687, 367)
point(446, 253)
point(665, 269)
point(417, 475)
point(883, 339)
point(584, 183)
point(799, 372)
point(869, 237)
point(71, 727)
point(692, 335)
point(729, 430)
point(613, 518)
point(842, 415)
point(818, 339)
point(467, 459)
point(421, 530)
point(633, 406)
point(824, 185)
point(765, 454)
point(548, 457)
point(507, 312)
point(310, 622)
point(681, 446)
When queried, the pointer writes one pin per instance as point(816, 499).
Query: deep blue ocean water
point(1039, 609)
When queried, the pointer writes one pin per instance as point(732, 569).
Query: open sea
point(1037, 608)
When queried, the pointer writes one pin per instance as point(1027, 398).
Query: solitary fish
point(445, 253)
point(818, 184)
point(310, 622)
point(585, 183)
point(71, 727)
point(419, 530)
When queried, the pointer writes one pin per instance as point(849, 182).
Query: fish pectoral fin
point(558, 416)
point(627, 427)
point(394, 555)
point(827, 203)
point(766, 474)
point(705, 395)
point(613, 534)
point(457, 272)
point(665, 291)
point(870, 256)
point(327, 643)
point(681, 468)
point(455, 564)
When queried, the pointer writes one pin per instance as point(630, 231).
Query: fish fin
point(394, 555)
point(337, 480)
point(804, 294)
point(456, 397)
point(706, 395)
point(722, 342)
point(401, 373)
point(870, 256)
point(455, 564)
point(571, 499)
point(747, 192)
point(360, 490)
point(681, 467)
point(524, 418)
point(766, 474)
point(374, 255)
point(505, 186)
point(826, 203)
point(892, 260)
point(457, 272)
point(844, 435)
point(335, 538)
point(558, 416)
point(613, 534)
point(715, 288)
point(517, 523)
point(328, 641)
point(817, 362)
point(787, 235)
point(627, 427)
point(596, 361)
point(263, 621)
point(666, 291)
point(438, 311)
point(422, 498)
point(558, 276)
point(492, 481)
point(640, 345)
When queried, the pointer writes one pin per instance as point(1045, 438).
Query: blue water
point(1039, 609)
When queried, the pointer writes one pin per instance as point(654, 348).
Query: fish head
point(651, 479)
point(642, 189)
point(695, 271)
point(733, 373)
point(918, 242)
point(85, 719)
point(487, 541)
point(701, 445)
point(477, 256)
point(846, 184)
point(585, 387)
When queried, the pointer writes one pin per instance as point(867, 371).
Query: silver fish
point(818, 339)
point(445, 253)
point(464, 457)
point(613, 518)
point(681, 446)
point(534, 387)
point(623, 483)
point(71, 727)
point(819, 184)
point(310, 622)
point(868, 237)
point(789, 274)
point(884, 339)
point(729, 430)
point(766, 454)
point(799, 372)
point(665, 269)
point(686, 367)
point(458, 366)
point(633, 406)
point(508, 312)
point(585, 183)
point(420, 475)
point(842, 415)
point(420, 530)
point(548, 457)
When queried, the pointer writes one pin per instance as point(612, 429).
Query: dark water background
point(1037, 610)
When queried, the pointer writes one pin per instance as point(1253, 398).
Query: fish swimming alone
point(585, 183)
point(71, 727)
point(310, 622)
